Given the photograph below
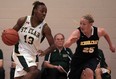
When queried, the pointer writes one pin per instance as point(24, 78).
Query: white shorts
point(23, 61)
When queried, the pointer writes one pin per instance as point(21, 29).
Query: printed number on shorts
point(28, 39)
point(88, 50)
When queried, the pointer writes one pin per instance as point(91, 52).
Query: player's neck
point(88, 33)
point(35, 22)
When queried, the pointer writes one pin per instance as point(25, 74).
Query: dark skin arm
point(47, 33)
point(19, 23)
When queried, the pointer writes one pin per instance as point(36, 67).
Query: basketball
point(10, 37)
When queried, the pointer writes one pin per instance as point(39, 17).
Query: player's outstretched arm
point(102, 32)
point(72, 39)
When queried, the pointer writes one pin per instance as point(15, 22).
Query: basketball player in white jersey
point(31, 30)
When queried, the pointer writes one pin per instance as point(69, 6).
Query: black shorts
point(78, 65)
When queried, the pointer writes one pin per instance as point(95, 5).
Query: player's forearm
point(50, 49)
point(67, 44)
point(108, 40)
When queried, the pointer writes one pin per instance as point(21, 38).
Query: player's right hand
point(41, 53)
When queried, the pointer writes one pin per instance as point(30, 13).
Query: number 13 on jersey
point(29, 39)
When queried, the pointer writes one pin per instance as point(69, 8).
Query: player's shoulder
point(101, 30)
point(22, 19)
point(76, 31)
point(46, 27)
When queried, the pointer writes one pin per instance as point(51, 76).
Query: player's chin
point(42, 19)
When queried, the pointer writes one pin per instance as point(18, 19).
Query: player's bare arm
point(102, 32)
point(49, 37)
point(19, 23)
point(73, 38)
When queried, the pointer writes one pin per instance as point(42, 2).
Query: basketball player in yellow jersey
point(85, 58)
point(32, 29)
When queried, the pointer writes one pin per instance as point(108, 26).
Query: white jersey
point(29, 38)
